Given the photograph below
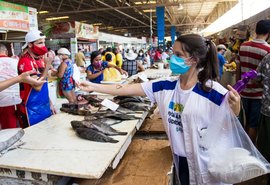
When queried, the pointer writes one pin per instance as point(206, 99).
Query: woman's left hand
point(234, 100)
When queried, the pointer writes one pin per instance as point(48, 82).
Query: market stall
point(15, 21)
point(72, 35)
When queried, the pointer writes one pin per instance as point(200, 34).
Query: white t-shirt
point(8, 69)
point(171, 100)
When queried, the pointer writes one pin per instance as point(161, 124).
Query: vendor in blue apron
point(36, 105)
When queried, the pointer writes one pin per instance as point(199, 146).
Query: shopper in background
point(130, 64)
point(118, 56)
point(109, 51)
point(34, 96)
point(141, 61)
point(80, 58)
point(96, 68)
point(221, 49)
point(56, 61)
point(195, 59)
point(263, 140)
point(65, 73)
point(251, 54)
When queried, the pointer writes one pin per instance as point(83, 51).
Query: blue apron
point(38, 105)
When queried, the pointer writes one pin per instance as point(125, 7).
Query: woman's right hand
point(85, 86)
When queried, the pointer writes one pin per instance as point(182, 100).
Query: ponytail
point(209, 66)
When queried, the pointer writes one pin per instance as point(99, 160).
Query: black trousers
point(183, 173)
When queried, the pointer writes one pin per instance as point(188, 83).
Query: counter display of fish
point(95, 130)
point(86, 104)
point(92, 104)
point(134, 103)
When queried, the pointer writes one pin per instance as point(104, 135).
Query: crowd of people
point(198, 62)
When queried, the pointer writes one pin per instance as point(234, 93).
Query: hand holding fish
point(234, 100)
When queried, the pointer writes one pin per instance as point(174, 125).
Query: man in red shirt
point(35, 105)
point(251, 54)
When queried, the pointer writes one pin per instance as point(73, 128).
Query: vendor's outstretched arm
point(116, 89)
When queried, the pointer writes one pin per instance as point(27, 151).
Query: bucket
point(160, 66)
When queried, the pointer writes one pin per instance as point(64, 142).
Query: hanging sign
point(160, 25)
point(13, 16)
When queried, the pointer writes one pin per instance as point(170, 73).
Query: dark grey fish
point(77, 124)
point(113, 116)
point(135, 106)
point(102, 127)
point(108, 121)
point(93, 135)
point(124, 99)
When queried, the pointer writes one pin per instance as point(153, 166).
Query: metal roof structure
point(132, 16)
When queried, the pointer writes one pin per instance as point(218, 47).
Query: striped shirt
point(250, 55)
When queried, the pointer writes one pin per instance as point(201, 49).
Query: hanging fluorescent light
point(145, 2)
point(97, 24)
point(43, 12)
point(56, 18)
point(149, 10)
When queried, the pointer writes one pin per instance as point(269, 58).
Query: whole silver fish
point(93, 135)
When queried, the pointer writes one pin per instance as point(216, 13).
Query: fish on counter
point(135, 106)
point(124, 99)
point(99, 126)
point(108, 121)
point(113, 115)
point(93, 135)
point(92, 99)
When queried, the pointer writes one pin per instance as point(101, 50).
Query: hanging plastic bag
point(76, 73)
point(233, 158)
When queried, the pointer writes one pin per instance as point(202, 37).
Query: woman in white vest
point(194, 59)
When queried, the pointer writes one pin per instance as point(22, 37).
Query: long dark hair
point(94, 54)
point(205, 53)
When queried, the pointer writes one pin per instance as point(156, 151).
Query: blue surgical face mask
point(178, 65)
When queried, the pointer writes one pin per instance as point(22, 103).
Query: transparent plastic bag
point(233, 158)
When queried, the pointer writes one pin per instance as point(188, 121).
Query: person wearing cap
point(65, 73)
point(34, 96)
point(131, 65)
point(221, 49)
point(251, 53)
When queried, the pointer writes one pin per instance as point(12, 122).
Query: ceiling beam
point(109, 8)
point(168, 25)
point(122, 13)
